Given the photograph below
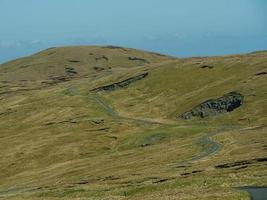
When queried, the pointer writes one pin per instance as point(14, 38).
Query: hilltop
point(106, 122)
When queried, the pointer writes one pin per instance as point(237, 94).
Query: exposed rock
point(82, 182)
point(74, 61)
point(213, 107)
point(51, 53)
point(24, 66)
point(98, 121)
point(207, 66)
point(70, 71)
point(57, 79)
point(110, 178)
point(138, 59)
point(100, 129)
point(163, 180)
point(241, 163)
point(197, 171)
point(102, 58)
point(120, 84)
point(193, 172)
point(145, 145)
point(61, 122)
point(96, 68)
point(115, 47)
point(242, 167)
point(158, 54)
point(261, 73)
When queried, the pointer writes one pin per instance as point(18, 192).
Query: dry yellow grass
point(58, 140)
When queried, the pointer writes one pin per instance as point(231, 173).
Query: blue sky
point(176, 27)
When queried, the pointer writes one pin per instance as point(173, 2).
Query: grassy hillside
point(60, 139)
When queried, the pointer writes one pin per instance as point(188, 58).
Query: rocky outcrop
point(56, 79)
point(207, 66)
point(114, 47)
point(241, 163)
point(213, 107)
point(70, 71)
point(102, 58)
point(74, 61)
point(120, 84)
point(138, 59)
point(98, 69)
point(261, 73)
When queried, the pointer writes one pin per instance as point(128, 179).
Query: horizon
point(176, 28)
point(201, 56)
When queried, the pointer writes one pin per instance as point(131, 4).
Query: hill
point(111, 123)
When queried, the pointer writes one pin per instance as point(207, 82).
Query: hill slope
point(104, 123)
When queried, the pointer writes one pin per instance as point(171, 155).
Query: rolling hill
point(106, 122)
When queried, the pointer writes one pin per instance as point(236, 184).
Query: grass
point(58, 142)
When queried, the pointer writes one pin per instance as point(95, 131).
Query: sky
point(181, 28)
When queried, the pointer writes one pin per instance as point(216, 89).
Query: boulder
point(213, 107)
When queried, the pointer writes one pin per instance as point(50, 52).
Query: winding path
point(114, 114)
point(104, 105)
point(211, 146)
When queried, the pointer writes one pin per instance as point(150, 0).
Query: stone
point(227, 103)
